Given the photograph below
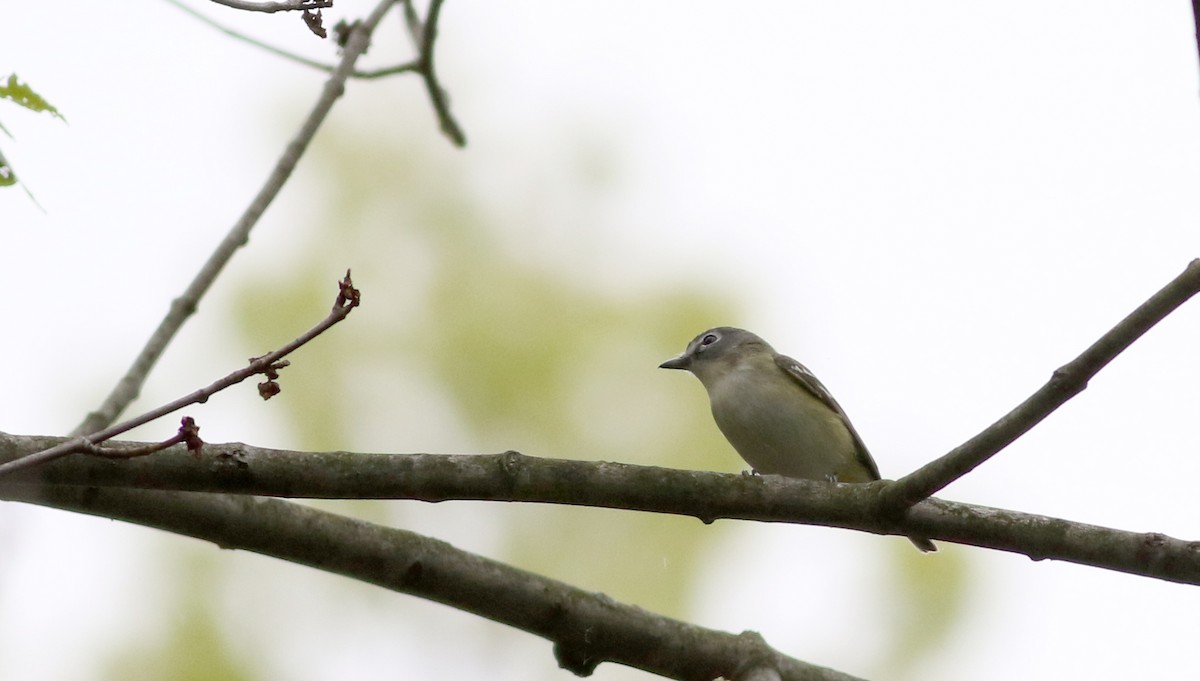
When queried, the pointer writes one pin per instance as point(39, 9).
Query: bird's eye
point(708, 340)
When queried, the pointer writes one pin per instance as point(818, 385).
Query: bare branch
point(512, 477)
point(1066, 382)
point(424, 37)
point(269, 364)
point(586, 628)
point(270, 7)
point(129, 387)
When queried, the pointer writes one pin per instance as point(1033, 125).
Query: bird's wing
point(809, 382)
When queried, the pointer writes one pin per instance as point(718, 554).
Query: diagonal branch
point(129, 387)
point(586, 628)
point(1066, 382)
point(437, 96)
point(243, 469)
point(423, 35)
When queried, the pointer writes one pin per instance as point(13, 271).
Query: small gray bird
point(775, 412)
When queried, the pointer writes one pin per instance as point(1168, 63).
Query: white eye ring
point(708, 340)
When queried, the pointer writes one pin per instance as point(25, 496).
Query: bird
point(779, 418)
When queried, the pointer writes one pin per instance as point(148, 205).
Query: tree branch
point(586, 628)
point(437, 96)
point(1066, 382)
point(129, 387)
point(242, 469)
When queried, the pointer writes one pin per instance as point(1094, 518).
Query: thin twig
point(129, 387)
point(407, 67)
point(1065, 383)
point(271, 7)
point(348, 298)
point(437, 96)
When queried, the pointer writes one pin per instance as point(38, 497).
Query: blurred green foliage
point(930, 597)
point(195, 645)
point(467, 342)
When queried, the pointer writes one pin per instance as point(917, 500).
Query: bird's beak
point(681, 362)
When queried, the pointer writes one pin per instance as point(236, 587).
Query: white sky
point(932, 204)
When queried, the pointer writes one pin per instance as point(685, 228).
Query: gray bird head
point(718, 346)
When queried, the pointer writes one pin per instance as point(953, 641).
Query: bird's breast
point(779, 427)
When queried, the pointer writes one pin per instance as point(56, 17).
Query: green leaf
point(24, 95)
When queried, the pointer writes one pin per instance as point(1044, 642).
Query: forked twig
point(437, 96)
